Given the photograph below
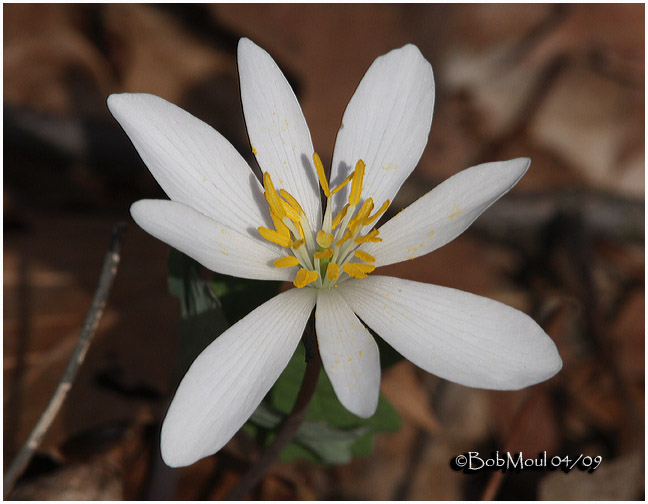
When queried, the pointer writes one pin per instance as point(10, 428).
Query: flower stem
point(290, 425)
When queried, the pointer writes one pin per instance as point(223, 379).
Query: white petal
point(386, 124)
point(458, 336)
point(214, 245)
point(191, 161)
point(446, 211)
point(349, 354)
point(278, 132)
point(231, 376)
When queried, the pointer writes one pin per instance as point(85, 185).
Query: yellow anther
point(332, 272)
point(358, 270)
point(304, 277)
point(380, 211)
point(275, 237)
point(298, 244)
point(280, 226)
point(320, 173)
point(354, 227)
point(286, 262)
point(370, 237)
point(356, 183)
point(324, 239)
point(339, 217)
point(292, 201)
point(272, 197)
point(362, 215)
point(301, 231)
point(275, 206)
point(344, 182)
point(267, 182)
point(364, 256)
point(291, 213)
point(346, 236)
point(366, 208)
point(323, 254)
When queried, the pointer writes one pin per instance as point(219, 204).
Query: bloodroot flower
point(222, 216)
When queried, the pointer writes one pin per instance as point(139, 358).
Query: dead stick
point(108, 272)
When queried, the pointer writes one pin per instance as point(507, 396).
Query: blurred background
point(563, 85)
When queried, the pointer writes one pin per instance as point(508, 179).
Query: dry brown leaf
point(407, 394)
point(156, 55)
point(616, 479)
point(591, 120)
point(50, 63)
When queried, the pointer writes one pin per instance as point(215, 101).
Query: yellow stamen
point(370, 237)
point(346, 236)
point(272, 197)
point(344, 182)
point(380, 211)
point(364, 256)
point(280, 226)
point(304, 277)
point(267, 182)
point(275, 206)
point(332, 272)
point(298, 244)
point(320, 173)
point(324, 239)
point(339, 217)
point(291, 213)
point(275, 237)
point(356, 183)
point(292, 201)
point(354, 227)
point(358, 270)
point(364, 212)
point(286, 262)
point(323, 254)
point(301, 231)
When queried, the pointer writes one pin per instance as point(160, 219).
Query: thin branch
point(288, 429)
point(108, 272)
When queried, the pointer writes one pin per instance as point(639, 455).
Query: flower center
point(334, 252)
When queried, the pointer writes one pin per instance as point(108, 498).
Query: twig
point(108, 272)
point(288, 429)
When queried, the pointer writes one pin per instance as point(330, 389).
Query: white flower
point(220, 215)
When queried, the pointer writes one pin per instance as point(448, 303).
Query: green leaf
point(330, 434)
point(201, 315)
point(208, 308)
point(314, 440)
point(185, 284)
point(239, 296)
